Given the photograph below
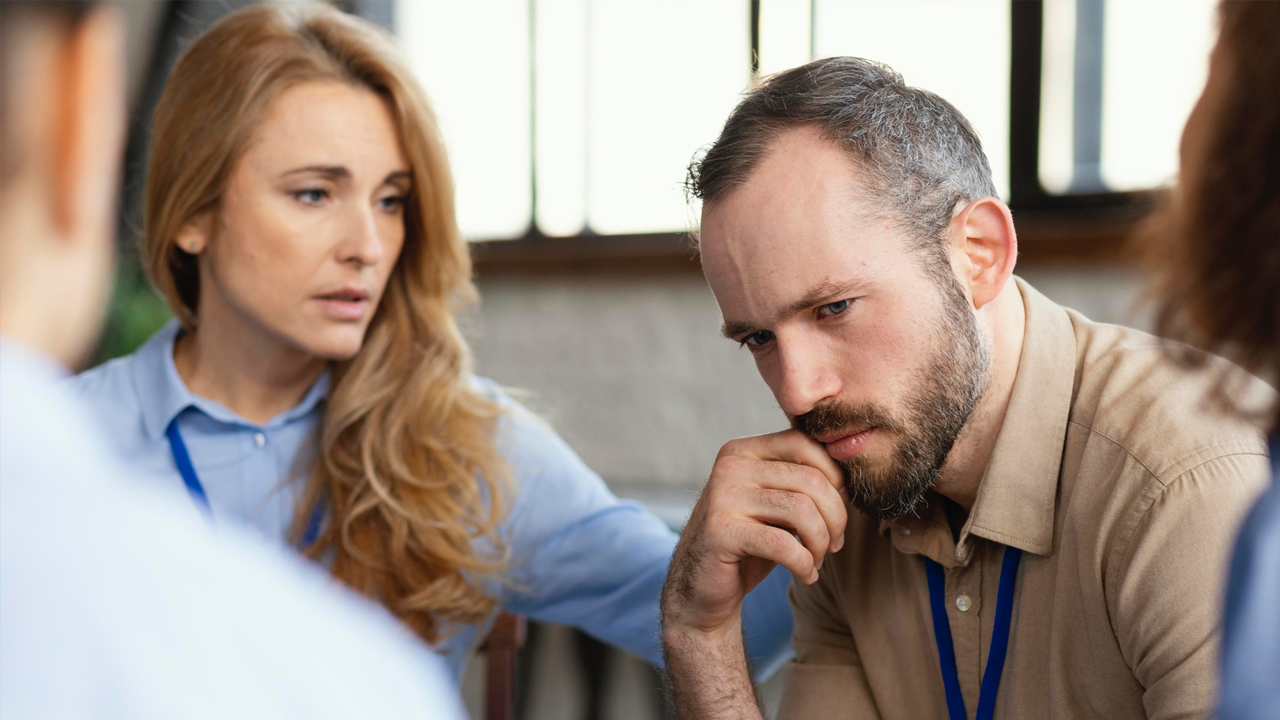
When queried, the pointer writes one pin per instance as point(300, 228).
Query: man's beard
point(937, 408)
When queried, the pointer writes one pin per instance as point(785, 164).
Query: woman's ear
point(986, 247)
point(193, 236)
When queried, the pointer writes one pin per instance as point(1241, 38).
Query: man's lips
point(844, 447)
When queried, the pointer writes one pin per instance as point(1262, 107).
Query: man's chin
point(885, 498)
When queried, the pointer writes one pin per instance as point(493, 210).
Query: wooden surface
point(501, 646)
point(1044, 237)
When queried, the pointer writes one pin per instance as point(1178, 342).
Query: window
point(1118, 80)
point(577, 118)
point(574, 116)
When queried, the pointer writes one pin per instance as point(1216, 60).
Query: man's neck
point(967, 461)
point(255, 377)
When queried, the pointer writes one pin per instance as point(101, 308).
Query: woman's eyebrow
point(332, 171)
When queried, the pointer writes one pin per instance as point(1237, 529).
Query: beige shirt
point(1122, 486)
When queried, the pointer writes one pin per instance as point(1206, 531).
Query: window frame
point(1089, 227)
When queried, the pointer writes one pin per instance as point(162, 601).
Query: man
point(115, 603)
point(1028, 484)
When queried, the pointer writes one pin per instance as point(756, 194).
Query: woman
point(1216, 250)
point(299, 221)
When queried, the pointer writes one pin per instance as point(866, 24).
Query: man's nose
point(806, 380)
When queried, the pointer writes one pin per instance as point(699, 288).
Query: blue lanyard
point(182, 459)
point(999, 637)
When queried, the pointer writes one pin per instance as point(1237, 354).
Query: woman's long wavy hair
point(407, 472)
point(1215, 246)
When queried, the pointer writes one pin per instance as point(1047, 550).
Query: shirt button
point(259, 439)
point(963, 603)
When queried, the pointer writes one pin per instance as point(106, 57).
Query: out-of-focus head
point(298, 184)
point(843, 228)
point(61, 136)
point(1215, 247)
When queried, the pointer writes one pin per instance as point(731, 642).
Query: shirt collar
point(164, 395)
point(1017, 498)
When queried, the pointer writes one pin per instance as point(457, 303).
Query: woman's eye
point(757, 339)
point(392, 204)
point(834, 308)
point(311, 196)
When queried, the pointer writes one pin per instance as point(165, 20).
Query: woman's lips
point(849, 446)
point(343, 309)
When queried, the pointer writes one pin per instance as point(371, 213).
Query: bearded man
point(1044, 504)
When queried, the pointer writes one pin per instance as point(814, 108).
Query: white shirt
point(122, 602)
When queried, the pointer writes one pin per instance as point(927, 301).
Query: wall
point(631, 368)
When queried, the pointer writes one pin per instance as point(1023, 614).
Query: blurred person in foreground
point(117, 602)
point(1041, 501)
point(314, 385)
point(1216, 252)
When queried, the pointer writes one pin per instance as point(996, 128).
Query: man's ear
point(88, 127)
point(984, 247)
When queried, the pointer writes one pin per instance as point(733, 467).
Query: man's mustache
point(833, 418)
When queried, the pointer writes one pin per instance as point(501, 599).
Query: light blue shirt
point(580, 556)
point(117, 602)
point(1251, 632)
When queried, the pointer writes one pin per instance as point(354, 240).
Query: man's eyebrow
point(730, 328)
point(827, 292)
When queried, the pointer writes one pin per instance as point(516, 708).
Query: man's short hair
point(920, 155)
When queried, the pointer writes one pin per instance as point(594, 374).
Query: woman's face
point(310, 225)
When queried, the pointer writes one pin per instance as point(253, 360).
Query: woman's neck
point(255, 378)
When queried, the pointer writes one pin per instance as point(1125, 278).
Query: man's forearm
point(708, 675)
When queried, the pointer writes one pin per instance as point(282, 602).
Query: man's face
point(868, 347)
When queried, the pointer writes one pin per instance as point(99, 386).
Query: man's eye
point(834, 308)
point(756, 339)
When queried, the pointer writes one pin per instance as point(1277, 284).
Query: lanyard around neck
point(999, 637)
point(187, 470)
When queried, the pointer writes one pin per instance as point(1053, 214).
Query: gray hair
point(921, 155)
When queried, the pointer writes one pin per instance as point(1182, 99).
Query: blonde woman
point(300, 223)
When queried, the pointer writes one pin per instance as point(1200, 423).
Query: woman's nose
point(363, 243)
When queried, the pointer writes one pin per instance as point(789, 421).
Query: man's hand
point(771, 500)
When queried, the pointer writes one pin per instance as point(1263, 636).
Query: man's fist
point(771, 500)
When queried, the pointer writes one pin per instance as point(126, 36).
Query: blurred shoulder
point(111, 382)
